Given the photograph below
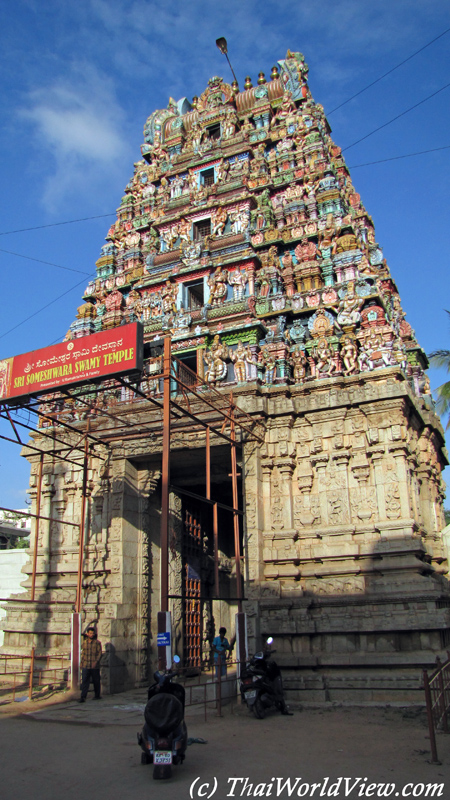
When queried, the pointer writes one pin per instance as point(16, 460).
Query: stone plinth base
point(399, 685)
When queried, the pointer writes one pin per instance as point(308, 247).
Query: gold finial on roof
point(274, 74)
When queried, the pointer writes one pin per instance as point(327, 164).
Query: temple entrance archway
point(206, 543)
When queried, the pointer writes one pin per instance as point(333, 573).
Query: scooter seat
point(163, 713)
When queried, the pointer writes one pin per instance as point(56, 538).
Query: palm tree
point(441, 358)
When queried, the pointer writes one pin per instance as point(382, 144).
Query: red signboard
point(101, 355)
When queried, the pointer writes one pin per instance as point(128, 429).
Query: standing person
point(91, 651)
point(220, 646)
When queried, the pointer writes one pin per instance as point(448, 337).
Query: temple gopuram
point(242, 241)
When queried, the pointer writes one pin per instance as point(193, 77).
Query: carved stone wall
point(354, 571)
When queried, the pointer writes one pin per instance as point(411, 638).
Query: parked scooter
point(164, 735)
point(261, 683)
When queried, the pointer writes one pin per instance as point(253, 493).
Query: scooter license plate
point(162, 757)
point(250, 695)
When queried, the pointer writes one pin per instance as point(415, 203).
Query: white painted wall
point(445, 533)
point(11, 576)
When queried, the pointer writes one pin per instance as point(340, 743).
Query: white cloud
point(150, 51)
point(79, 129)
point(174, 42)
point(74, 126)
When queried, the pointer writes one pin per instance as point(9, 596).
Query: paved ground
point(67, 750)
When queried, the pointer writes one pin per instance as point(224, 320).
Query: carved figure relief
point(307, 510)
point(241, 358)
point(238, 280)
point(215, 361)
point(393, 505)
point(337, 509)
point(218, 285)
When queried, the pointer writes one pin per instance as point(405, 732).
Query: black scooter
point(164, 736)
point(261, 683)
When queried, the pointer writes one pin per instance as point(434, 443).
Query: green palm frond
point(440, 358)
point(443, 400)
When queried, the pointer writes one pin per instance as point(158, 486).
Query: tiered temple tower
point(241, 235)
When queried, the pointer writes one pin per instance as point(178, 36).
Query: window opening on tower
point(202, 229)
point(213, 131)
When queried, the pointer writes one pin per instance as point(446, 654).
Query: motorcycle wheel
point(258, 709)
point(162, 771)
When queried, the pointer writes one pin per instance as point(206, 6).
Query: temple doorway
point(209, 589)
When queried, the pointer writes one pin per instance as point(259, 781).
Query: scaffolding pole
point(36, 528)
point(82, 526)
point(237, 543)
point(165, 477)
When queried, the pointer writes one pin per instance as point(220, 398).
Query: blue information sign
point(163, 639)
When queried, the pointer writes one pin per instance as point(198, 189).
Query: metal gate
point(192, 587)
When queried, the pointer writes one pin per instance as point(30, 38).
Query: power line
point(55, 224)
point(388, 72)
point(395, 158)
point(41, 309)
point(385, 124)
point(39, 261)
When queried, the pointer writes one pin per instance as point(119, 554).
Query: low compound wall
point(11, 576)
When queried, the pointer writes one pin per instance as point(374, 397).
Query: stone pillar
point(251, 278)
point(302, 502)
point(257, 472)
point(414, 483)
point(176, 571)
point(285, 468)
point(266, 470)
point(363, 502)
point(400, 452)
point(320, 462)
point(58, 527)
point(254, 512)
point(121, 629)
point(99, 507)
point(340, 513)
point(376, 455)
point(277, 505)
point(45, 525)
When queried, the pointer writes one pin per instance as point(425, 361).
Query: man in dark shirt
point(220, 646)
point(91, 651)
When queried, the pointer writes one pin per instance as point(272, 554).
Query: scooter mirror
point(177, 659)
point(269, 640)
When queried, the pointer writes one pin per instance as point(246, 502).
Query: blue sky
point(79, 80)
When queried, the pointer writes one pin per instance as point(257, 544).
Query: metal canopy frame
point(186, 399)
